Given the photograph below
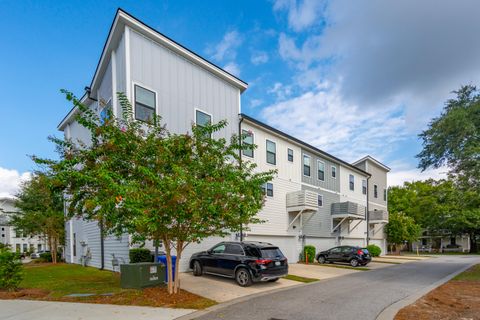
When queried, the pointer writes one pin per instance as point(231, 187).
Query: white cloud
point(323, 119)
point(226, 49)
point(280, 90)
point(404, 173)
point(232, 68)
point(301, 14)
point(10, 181)
point(255, 103)
point(258, 58)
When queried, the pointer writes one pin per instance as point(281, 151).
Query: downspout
point(240, 162)
point(368, 217)
point(102, 247)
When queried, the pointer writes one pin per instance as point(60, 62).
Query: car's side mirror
point(209, 251)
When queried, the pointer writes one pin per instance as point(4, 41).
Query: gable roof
point(123, 19)
point(304, 144)
point(375, 161)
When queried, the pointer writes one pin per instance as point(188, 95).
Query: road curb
point(389, 312)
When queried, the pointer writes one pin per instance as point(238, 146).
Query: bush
point(374, 250)
point(47, 257)
point(309, 252)
point(140, 255)
point(11, 269)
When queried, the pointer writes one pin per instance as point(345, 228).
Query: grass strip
point(388, 262)
point(339, 266)
point(472, 274)
point(299, 278)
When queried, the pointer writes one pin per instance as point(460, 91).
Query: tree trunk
point(50, 240)
point(168, 252)
point(176, 286)
point(53, 250)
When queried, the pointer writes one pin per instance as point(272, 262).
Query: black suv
point(354, 255)
point(246, 261)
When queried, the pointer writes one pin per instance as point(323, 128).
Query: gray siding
point(121, 66)
point(105, 88)
point(329, 183)
point(181, 87)
point(320, 223)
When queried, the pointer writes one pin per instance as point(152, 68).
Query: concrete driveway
point(223, 289)
point(46, 310)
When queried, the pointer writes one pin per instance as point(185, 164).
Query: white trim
point(293, 155)
point(253, 142)
point(127, 65)
point(133, 100)
point(331, 171)
point(318, 167)
point(320, 195)
point(266, 151)
point(202, 111)
point(266, 190)
point(114, 83)
point(303, 165)
point(379, 205)
point(368, 157)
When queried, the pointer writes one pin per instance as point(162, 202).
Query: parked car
point(354, 255)
point(246, 262)
point(36, 255)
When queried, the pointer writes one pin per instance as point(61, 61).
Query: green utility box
point(141, 275)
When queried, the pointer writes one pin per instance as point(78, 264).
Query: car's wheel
point(273, 280)
point(197, 268)
point(354, 263)
point(321, 259)
point(243, 277)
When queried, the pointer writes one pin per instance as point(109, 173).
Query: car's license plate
point(277, 263)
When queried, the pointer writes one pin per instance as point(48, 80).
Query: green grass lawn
point(300, 279)
point(63, 279)
point(340, 266)
point(472, 274)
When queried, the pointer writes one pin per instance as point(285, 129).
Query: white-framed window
point(351, 182)
point(248, 141)
point(268, 189)
point(202, 119)
point(364, 186)
point(306, 165)
point(320, 200)
point(271, 152)
point(289, 155)
point(334, 172)
point(145, 104)
point(320, 170)
point(375, 191)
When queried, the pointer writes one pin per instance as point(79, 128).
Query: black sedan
point(355, 256)
point(246, 262)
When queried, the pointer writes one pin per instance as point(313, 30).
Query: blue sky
point(350, 78)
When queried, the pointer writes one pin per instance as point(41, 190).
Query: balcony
point(302, 200)
point(378, 216)
point(348, 209)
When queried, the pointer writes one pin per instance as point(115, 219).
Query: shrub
point(374, 250)
point(309, 253)
point(11, 269)
point(47, 257)
point(140, 255)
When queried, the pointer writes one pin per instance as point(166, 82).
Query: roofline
point(126, 18)
point(302, 143)
point(368, 157)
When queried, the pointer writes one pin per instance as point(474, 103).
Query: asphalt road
point(361, 295)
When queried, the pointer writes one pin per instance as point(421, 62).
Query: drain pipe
point(240, 162)
point(102, 247)
point(368, 217)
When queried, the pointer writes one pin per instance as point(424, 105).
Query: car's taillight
point(360, 252)
point(263, 261)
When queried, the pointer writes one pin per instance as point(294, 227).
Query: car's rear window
point(271, 253)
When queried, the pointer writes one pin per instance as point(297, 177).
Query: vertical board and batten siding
point(379, 178)
point(105, 88)
point(120, 69)
point(181, 87)
point(320, 223)
point(330, 183)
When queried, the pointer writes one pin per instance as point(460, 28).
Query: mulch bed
point(453, 300)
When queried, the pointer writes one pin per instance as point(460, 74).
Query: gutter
point(240, 161)
point(368, 218)
point(102, 247)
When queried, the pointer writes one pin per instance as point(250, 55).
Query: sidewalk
point(46, 310)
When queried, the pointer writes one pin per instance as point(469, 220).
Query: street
point(361, 295)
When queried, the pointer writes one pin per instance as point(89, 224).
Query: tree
point(138, 178)
point(401, 228)
point(11, 269)
point(40, 204)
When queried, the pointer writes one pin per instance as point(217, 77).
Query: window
point(290, 155)
point(424, 241)
point(364, 186)
point(271, 152)
point(39, 247)
point(219, 249)
point(234, 249)
point(334, 172)
point(248, 142)
point(268, 189)
point(17, 247)
point(384, 194)
point(453, 241)
point(105, 111)
point(74, 244)
point(321, 170)
point(306, 165)
point(351, 180)
point(25, 248)
point(375, 191)
point(145, 104)
point(202, 119)
point(320, 200)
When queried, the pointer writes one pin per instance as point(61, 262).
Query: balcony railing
point(302, 200)
point(348, 209)
point(377, 215)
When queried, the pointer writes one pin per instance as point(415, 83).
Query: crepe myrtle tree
point(137, 177)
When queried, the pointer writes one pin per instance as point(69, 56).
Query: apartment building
point(315, 198)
